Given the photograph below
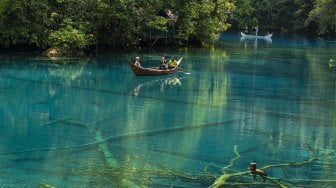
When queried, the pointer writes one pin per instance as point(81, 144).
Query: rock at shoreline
point(53, 52)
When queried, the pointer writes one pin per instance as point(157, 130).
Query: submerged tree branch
point(132, 135)
point(223, 179)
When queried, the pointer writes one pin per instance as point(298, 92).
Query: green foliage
point(2, 4)
point(324, 14)
point(302, 22)
point(244, 15)
point(268, 14)
point(120, 23)
point(159, 23)
point(108, 22)
point(68, 38)
point(311, 16)
point(23, 23)
point(204, 20)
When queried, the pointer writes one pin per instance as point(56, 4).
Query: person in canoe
point(172, 62)
point(164, 64)
point(137, 62)
point(256, 171)
point(256, 30)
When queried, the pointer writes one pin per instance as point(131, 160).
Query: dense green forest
point(81, 24)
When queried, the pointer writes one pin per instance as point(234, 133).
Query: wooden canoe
point(154, 71)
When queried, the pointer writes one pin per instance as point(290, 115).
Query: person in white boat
point(256, 30)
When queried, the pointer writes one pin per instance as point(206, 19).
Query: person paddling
point(172, 62)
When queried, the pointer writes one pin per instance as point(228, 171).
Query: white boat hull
point(256, 36)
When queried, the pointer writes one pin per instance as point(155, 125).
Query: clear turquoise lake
point(90, 122)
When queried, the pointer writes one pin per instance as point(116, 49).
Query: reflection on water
point(92, 123)
point(71, 72)
point(161, 83)
point(246, 40)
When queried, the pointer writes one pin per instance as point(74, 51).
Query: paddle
point(183, 70)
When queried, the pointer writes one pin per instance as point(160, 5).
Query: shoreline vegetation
point(62, 27)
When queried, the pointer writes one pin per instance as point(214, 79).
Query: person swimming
point(256, 171)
